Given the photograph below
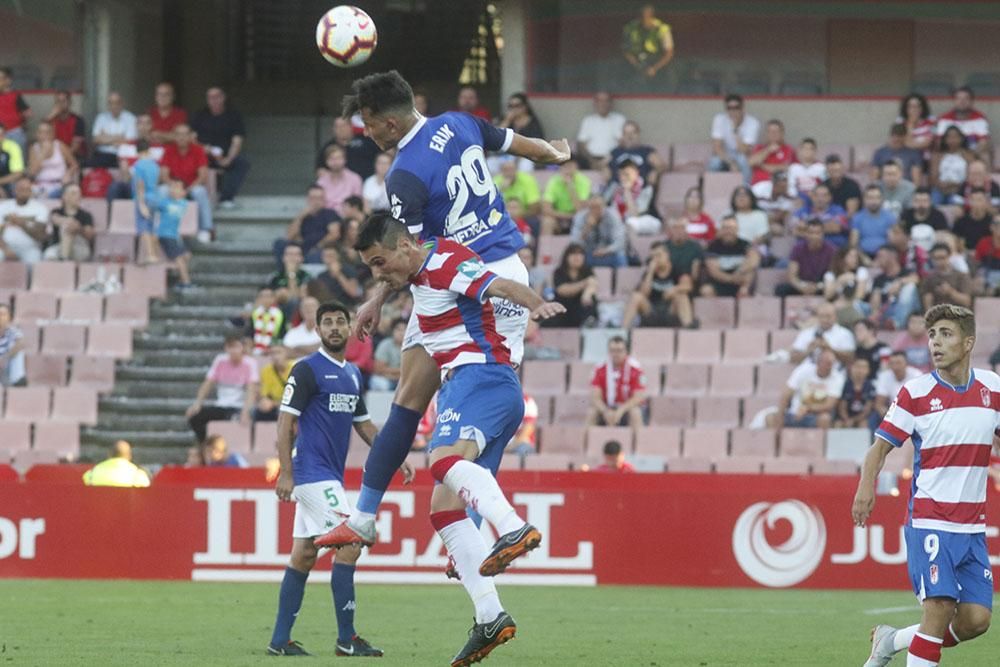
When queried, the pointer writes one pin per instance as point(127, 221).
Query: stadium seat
point(732, 380)
point(782, 339)
point(595, 343)
point(570, 408)
point(772, 379)
point(671, 411)
point(98, 209)
point(670, 193)
point(605, 282)
point(35, 306)
point(801, 442)
point(754, 404)
point(684, 379)
point(147, 280)
point(95, 372)
point(693, 466)
point(27, 404)
point(81, 307)
point(63, 438)
point(744, 346)
point(658, 440)
point(563, 438)
point(781, 246)
point(122, 217)
point(706, 443)
point(767, 279)
point(26, 458)
point(847, 444)
point(544, 403)
point(265, 437)
point(656, 464)
point(15, 436)
point(110, 340)
point(131, 309)
point(75, 405)
point(627, 279)
point(739, 465)
point(53, 277)
point(863, 154)
point(14, 275)
point(566, 340)
point(823, 467)
point(643, 244)
point(547, 461)
point(654, 377)
point(751, 82)
point(754, 443)
point(987, 311)
point(691, 156)
point(720, 184)
point(717, 411)
point(31, 336)
point(189, 221)
point(66, 339)
point(717, 312)
point(551, 248)
point(45, 370)
point(844, 150)
point(580, 375)
point(793, 466)
point(114, 247)
point(236, 435)
point(598, 435)
point(258, 459)
point(653, 344)
point(88, 272)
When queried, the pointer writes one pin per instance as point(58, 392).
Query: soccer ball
point(346, 36)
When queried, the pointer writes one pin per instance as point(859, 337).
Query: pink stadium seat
point(781, 246)
point(45, 370)
point(26, 458)
point(566, 340)
point(64, 339)
point(754, 443)
point(63, 438)
point(544, 403)
point(754, 404)
point(551, 248)
point(265, 437)
point(605, 282)
point(793, 466)
point(653, 344)
point(543, 376)
point(95, 372)
point(75, 405)
point(658, 440)
point(706, 443)
point(146, 280)
point(654, 377)
point(717, 412)
point(691, 156)
point(34, 306)
point(739, 465)
point(683, 379)
point(27, 404)
point(570, 408)
point(988, 313)
point(123, 308)
point(732, 380)
point(744, 346)
point(798, 308)
point(671, 411)
point(236, 435)
point(671, 190)
point(863, 154)
point(693, 466)
point(81, 307)
point(98, 208)
point(114, 247)
point(31, 336)
point(842, 149)
point(801, 442)
point(547, 461)
point(53, 277)
point(718, 312)
point(580, 374)
point(189, 222)
point(598, 435)
point(562, 438)
point(14, 275)
point(720, 184)
point(110, 340)
point(90, 271)
point(627, 279)
point(782, 339)
point(824, 467)
point(759, 312)
point(7, 296)
point(717, 207)
point(15, 436)
point(767, 280)
point(122, 218)
point(772, 379)
point(643, 244)
point(258, 459)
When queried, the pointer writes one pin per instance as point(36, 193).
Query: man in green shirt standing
point(647, 43)
point(565, 194)
point(521, 185)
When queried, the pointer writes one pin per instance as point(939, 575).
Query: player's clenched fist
point(547, 310)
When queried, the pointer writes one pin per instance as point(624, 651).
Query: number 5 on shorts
point(331, 495)
point(931, 546)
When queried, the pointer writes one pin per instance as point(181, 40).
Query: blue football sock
point(389, 450)
point(293, 588)
point(342, 583)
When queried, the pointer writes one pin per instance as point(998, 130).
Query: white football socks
point(466, 546)
point(480, 491)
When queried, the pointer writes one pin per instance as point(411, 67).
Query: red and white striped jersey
point(975, 127)
point(455, 316)
point(952, 430)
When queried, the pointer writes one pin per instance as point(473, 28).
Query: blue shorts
point(480, 402)
point(172, 248)
point(143, 225)
point(949, 565)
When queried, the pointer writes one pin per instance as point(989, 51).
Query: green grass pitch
point(181, 623)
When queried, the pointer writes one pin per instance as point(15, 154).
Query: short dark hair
point(332, 307)
point(814, 222)
point(232, 338)
point(964, 89)
point(292, 244)
point(978, 191)
point(922, 190)
point(809, 140)
point(775, 121)
point(893, 162)
point(733, 97)
point(380, 93)
point(833, 158)
point(618, 339)
point(873, 186)
point(901, 353)
point(381, 228)
point(898, 130)
point(961, 315)
point(940, 246)
point(314, 186)
point(612, 448)
point(142, 145)
point(355, 201)
point(867, 324)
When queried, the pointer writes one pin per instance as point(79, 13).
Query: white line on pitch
point(891, 610)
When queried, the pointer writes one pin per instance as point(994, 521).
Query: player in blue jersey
point(323, 399)
point(438, 185)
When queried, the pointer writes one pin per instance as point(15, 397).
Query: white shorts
point(512, 319)
point(319, 508)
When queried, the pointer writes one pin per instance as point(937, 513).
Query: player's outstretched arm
point(286, 431)
point(864, 499)
point(539, 150)
point(524, 296)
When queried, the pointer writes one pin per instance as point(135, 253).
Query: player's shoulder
point(987, 378)
point(919, 386)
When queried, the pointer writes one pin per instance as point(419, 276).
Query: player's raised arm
point(524, 296)
point(539, 150)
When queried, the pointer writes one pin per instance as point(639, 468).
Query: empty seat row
point(74, 405)
point(61, 277)
point(107, 339)
point(243, 438)
point(44, 441)
point(57, 370)
point(81, 307)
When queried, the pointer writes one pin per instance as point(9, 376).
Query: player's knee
point(304, 560)
point(348, 555)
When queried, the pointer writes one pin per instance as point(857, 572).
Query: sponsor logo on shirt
point(471, 268)
point(343, 403)
point(448, 416)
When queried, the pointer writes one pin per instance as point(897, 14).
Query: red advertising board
point(668, 529)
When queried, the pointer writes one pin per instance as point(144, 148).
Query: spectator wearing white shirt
point(734, 134)
point(889, 380)
point(808, 172)
point(112, 128)
point(599, 132)
point(304, 339)
point(811, 394)
point(826, 335)
point(373, 190)
point(24, 224)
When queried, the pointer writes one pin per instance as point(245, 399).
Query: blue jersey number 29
point(472, 174)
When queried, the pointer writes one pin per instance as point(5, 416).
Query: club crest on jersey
point(934, 575)
point(286, 396)
point(471, 268)
point(984, 393)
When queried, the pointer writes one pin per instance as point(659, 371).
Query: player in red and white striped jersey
point(952, 416)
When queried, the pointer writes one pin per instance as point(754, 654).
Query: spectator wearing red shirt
point(700, 225)
point(973, 124)
point(767, 158)
point(166, 117)
point(614, 459)
point(617, 389)
point(14, 111)
point(186, 161)
point(468, 101)
point(988, 258)
point(70, 128)
point(915, 115)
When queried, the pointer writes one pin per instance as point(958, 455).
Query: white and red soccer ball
point(346, 36)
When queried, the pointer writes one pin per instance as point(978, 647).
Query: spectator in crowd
point(50, 163)
point(538, 277)
point(700, 225)
point(234, 378)
point(825, 335)
point(599, 132)
point(23, 224)
point(944, 284)
point(870, 226)
point(617, 389)
point(972, 123)
point(807, 172)
point(117, 470)
point(521, 185)
point(219, 128)
point(894, 291)
point(913, 342)
point(810, 259)
point(521, 118)
point(468, 101)
point(987, 257)
point(632, 198)
point(614, 459)
point(145, 181)
point(910, 160)
point(185, 161)
point(897, 193)
point(975, 223)
point(663, 297)
point(856, 407)
point(165, 114)
point(631, 148)
point(69, 127)
point(890, 379)
point(11, 163)
point(267, 320)
point(388, 359)
point(112, 128)
point(168, 230)
point(349, 257)
point(273, 377)
point(420, 102)
point(950, 164)
point(977, 176)
point(780, 206)
point(523, 441)
point(844, 190)
point(848, 281)
point(338, 182)
point(304, 338)
point(373, 189)
point(14, 111)
point(128, 155)
point(834, 218)
point(686, 255)
point(912, 256)
point(771, 156)
point(923, 212)
point(730, 263)
point(575, 288)
point(734, 134)
point(11, 350)
point(359, 151)
point(601, 232)
point(72, 229)
point(289, 282)
point(811, 394)
point(868, 346)
point(647, 43)
point(338, 283)
point(915, 116)
point(216, 454)
point(313, 228)
point(751, 221)
point(565, 194)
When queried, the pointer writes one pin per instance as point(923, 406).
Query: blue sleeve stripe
point(888, 438)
